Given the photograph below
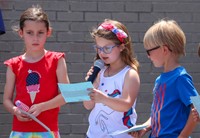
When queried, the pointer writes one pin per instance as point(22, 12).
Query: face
point(156, 56)
point(34, 35)
point(108, 51)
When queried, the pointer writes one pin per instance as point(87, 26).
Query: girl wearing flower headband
point(116, 87)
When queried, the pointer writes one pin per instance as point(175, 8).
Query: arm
point(57, 101)
point(129, 95)
point(189, 127)
point(90, 104)
point(8, 96)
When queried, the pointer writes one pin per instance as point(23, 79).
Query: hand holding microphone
point(98, 65)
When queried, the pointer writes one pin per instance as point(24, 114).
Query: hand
point(36, 109)
point(138, 134)
point(20, 116)
point(97, 96)
point(183, 136)
point(195, 115)
point(89, 72)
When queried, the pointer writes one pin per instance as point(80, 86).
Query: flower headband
point(118, 32)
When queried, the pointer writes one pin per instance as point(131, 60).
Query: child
point(171, 108)
point(35, 75)
point(195, 114)
point(116, 87)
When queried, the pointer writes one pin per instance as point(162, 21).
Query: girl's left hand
point(36, 109)
point(97, 96)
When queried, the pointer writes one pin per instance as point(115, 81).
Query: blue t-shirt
point(170, 108)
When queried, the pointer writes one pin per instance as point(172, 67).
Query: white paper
point(134, 128)
point(75, 92)
point(196, 102)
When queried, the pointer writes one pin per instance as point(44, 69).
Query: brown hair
point(35, 13)
point(127, 54)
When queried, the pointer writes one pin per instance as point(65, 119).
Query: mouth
point(104, 58)
point(35, 44)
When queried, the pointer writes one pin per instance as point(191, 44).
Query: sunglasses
point(149, 50)
point(105, 49)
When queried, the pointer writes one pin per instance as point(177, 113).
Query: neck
point(171, 65)
point(112, 70)
point(33, 56)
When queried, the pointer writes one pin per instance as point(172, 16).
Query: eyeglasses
point(105, 49)
point(149, 50)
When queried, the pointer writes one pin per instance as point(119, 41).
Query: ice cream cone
point(32, 95)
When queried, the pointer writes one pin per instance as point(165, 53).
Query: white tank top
point(104, 120)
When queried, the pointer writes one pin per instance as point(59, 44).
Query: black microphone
point(98, 65)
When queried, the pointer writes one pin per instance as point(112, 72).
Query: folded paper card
point(75, 92)
point(134, 128)
point(196, 102)
point(35, 119)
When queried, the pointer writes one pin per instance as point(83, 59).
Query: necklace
point(109, 71)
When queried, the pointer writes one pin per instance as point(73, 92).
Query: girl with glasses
point(171, 107)
point(116, 87)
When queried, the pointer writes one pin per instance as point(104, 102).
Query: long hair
point(127, 55)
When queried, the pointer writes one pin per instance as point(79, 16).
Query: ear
point(166, 49)
point(49, 32)
point(122, 47)
point(20, 32)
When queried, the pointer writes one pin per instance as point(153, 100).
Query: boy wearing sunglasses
point(171, 115)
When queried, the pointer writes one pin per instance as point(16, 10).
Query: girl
point(34, 75)
point(116, 87)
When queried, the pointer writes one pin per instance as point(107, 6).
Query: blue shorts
point(52, 134)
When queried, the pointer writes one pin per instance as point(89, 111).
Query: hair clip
point(118, 32)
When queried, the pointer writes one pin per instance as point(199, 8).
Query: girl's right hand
point(89, 72)
point(20, 116)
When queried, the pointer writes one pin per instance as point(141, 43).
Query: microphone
point(98, 65)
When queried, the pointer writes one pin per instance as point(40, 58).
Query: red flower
point(107, 26)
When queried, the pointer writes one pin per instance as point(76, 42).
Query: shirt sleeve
point(186, 89)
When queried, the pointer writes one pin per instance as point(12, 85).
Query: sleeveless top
point(36, 83)
point(104, 120)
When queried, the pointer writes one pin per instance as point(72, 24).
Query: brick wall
point(71, 21)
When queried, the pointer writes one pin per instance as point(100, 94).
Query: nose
point(36, 37)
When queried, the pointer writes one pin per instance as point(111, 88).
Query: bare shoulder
point(132, 74)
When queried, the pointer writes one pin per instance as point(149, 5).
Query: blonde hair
point(127, 54)
point(166, 33)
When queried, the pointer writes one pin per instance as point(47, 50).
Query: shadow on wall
point(2, 28)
